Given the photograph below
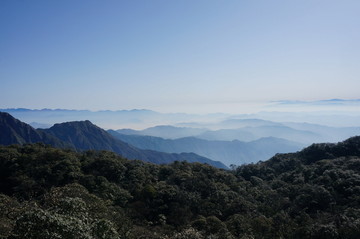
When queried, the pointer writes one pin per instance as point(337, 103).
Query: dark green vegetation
point(55, 193)
point(83, 135)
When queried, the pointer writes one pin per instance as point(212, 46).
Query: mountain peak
point(82, 122)
point(73, 126)
point(13, 131)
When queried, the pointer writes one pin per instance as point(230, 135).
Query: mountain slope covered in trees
point(83, 135)
point(48, 192)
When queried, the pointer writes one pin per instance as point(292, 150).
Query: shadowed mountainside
point(83, 135)
point(13, 131)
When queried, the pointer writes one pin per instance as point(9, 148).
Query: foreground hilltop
point(52, 192)
point(83, 135)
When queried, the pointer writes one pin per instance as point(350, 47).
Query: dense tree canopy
point(47, 192)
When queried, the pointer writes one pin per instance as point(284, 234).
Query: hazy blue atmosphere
point(177, 56)
point(179, 119)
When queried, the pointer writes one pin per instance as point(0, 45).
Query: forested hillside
point(83, 135)
point(54, 193)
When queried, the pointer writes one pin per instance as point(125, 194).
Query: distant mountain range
point(248, 130)
point(234, 141)
point(142, 118)
point(83, 135)
point(136, 118)
point(227, 138)
point(229, 152)
point(165, 131)
point(254, 133)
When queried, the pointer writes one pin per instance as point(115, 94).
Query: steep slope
point(84, 135)
point(228, 152)
point(13, 131)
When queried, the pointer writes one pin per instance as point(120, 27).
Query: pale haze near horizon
point(177, 56)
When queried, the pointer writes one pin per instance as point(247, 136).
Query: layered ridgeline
point(320, 127)
point(44, 118)
point(229, 152)
point(47, 192)
point(234, 141)
point(83, 135)
point(247, 130)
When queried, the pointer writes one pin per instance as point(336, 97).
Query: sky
point(177, 56)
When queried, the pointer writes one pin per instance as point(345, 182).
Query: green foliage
point(52, 193)
point(9, 210)
point(188, 233)
point(42, 224)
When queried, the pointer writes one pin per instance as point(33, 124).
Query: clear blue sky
point(177, 55)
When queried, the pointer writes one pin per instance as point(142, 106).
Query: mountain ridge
point(230, 152)
point(83, 135)
point(14, 131)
